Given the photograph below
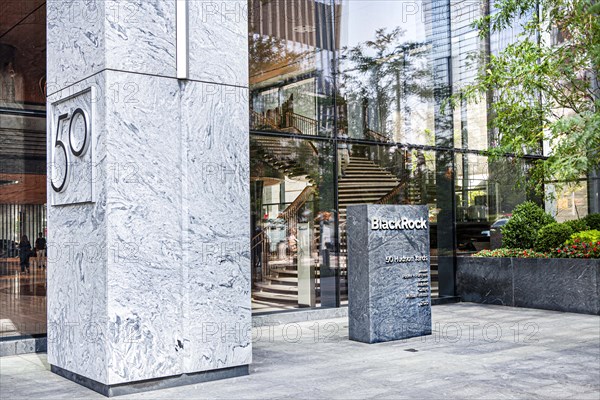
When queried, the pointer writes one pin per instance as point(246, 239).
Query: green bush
point(552, 236)
point(578, 225)
point(593, 221)
point(592, 236)
point(521, 230)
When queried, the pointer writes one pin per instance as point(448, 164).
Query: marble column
point(148, 201)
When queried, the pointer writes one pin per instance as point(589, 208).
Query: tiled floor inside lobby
point(476, 352)
point(22, 299)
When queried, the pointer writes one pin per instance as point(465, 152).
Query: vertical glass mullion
point(334, 77)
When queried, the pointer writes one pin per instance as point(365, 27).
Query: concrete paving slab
point(315, 360)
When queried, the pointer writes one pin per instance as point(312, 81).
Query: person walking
point(40, 250)
point(24, 253)
point(292, 242)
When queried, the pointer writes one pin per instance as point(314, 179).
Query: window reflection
point(372, 78)
point(22, 167)
point(294, 262)
point(385, 81)
point(379, 174)
point(292, 45)
point(486, 192)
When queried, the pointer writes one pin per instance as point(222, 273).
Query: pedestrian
point(292, 243)
point(40, 250)
point(343, 153)
point(24, 253)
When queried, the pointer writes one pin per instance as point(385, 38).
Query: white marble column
point(149, 269)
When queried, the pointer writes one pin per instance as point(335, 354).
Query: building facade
point(190, 163)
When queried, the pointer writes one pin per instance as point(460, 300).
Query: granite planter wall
point(559, 284)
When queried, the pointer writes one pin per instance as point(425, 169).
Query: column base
point(151, 384)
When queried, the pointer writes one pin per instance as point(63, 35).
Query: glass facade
point(348, 107)
point(22, 167)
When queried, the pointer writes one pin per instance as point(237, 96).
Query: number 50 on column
point(70, 148)
point(77, 144)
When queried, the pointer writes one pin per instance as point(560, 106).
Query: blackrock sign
point(398, 224)
point(389, 280)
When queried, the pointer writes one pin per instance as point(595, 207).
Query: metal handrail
point(377, 136)
point(259, 240)
point(305, 125)
point(298, 202)
point(260, 120)
point(387, 198)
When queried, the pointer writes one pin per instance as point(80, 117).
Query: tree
point(269, 54)
point(544, 85)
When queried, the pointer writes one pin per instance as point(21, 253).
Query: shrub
point(593, 221)
point(516, 253)
point(521, 230)
point(552, 236)
point(578, 249)
point(578, 225)
point(592, 236)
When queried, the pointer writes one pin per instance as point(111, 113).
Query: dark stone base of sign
point(559, 284)
point(387, 299)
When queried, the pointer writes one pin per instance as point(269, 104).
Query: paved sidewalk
point(477, 352)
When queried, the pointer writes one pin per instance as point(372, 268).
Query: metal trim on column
point(182, 39)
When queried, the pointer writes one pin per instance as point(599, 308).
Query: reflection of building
point(377, 95)
point(22, 161)
point(292, 44)
point(345, 107)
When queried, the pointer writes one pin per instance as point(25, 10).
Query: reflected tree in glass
point(378, 77)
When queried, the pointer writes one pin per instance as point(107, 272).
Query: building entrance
point(300, 192)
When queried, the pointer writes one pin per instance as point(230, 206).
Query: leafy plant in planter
point(579, 249)
point(593, 221)
point(578, 225)
point(521, 231)
point(592, 236)
point(507, 253)
point(552, 236)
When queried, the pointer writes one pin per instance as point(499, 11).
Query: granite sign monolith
point(389, 280)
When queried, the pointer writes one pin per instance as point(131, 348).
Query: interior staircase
point(279, 289)
point(283, 155)
point(363, 182)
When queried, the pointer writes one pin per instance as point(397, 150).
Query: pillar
point(148, 201)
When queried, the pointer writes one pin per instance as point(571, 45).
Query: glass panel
point(22, 167)
point(470, 119)
point(568, 203)
point(378, 174)
point(486, 192)
point(294, 263)
point(386, 77)
point(291, 46)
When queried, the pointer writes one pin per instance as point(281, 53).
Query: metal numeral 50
point(78, 143)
